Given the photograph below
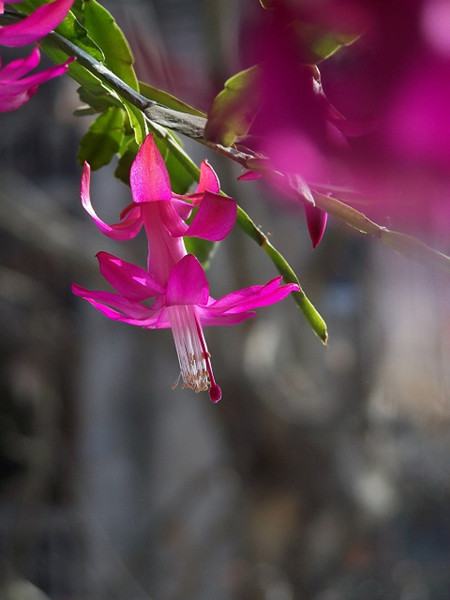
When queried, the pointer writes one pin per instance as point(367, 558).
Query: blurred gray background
point(323, 474)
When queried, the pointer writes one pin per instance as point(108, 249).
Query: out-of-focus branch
point(403, 243)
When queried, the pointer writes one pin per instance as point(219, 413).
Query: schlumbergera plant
point(338, 102)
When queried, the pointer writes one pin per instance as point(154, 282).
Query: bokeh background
point(323, 474)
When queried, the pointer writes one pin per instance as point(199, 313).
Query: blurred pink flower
point(377, 121)
point(36, 25)
point(17, 87)
point(174, 280)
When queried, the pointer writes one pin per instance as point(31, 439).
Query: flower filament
point(193, 355)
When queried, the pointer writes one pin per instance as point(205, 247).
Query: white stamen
point(191, 350)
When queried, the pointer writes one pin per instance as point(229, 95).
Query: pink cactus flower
point(249, 175)
point(17, 87)
point(36, 25)
point(182, 304)
point(174, 281)
point(152, 196)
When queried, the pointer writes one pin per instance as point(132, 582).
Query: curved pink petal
point(208, 181)
point(316, 220)
point(36, 26)
point(253, 297)
point(10, 102)
point(128, 227)
point(149, 178)
point(129, 308)
point(214, 219)
point(129, 280)
point(19, 67)
point(14, 93)
point(18, 86)
point(157, 321)
point(183, 208)
point(172, 220)
point(187, 283)
point(233, 298)
point(249, 176)
point(211, 319)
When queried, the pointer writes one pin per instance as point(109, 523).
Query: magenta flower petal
point(182, 207)
point(36, 26)
point(316, 220)
point(129, 308)
point(16, 86)
point(149, 178)
point(129, 226)
point(13, 91)
point(187, 283)
point(208, 182)
point(249, 176)
point(155, 320)
point(129, 280)
point(230, 300)
point(172, 220)
point(253, 297)
point(10, 101)
point(215, 218)
point(208, 319)
point(21, 66)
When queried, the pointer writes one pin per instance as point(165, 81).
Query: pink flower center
point(193, 355)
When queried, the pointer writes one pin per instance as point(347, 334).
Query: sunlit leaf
point(97, 98)
point(127, 153)
point(181, 178)
point(321, 44)
point(105, 32)
point(233, 109)
point(103, 139)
